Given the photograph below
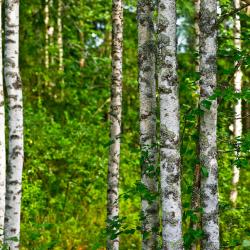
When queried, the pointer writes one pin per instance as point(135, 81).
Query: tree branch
point(233, 12)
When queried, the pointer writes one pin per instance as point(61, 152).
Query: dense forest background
point(67, 126)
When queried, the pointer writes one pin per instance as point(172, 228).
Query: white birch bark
point(146, 59)
point(169, 126)
point(238, 106)
point(115, 118)
point(51, 33)
point(2, 138)
point(208, 123)
point(15, 102)
point(60, 36)
point(46, 21)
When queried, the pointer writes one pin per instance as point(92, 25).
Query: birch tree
point(238, 107)
point(115, 119)
point(169, 127)
point(49, 33)
point(46, 21)
point(146, 54)
point(2, 138)
point(60, 36)
point(208, 123)
point(15, 103)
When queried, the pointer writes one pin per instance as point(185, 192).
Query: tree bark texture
point(147, 85)
point(15, 102)
point(46, 21)
point(2, 138)
point(208, 123)
point(115, 118)
point(169, 127)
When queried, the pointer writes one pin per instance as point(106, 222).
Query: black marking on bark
point(18, 83)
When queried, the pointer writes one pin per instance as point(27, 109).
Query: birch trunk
point(16, 152)
point(195, 203)
point(2, 139)
point(46, 21)
point(169, 126)
point(146, 60)
point(238, 106)
point(60, 36)
point(115, 119)
point(51, 33)
point(208, 123)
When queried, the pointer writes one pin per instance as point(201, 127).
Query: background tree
point(238, 106)
point(60, 38)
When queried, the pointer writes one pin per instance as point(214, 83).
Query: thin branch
point(233, 12)
point(101, 107)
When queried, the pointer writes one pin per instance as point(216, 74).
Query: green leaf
point(246, 244)
point(204, 171)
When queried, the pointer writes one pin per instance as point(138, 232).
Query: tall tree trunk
point(169, 126)
point(115, 119)
point(146, 59)
point(15, 102)
point(60, 36)
point(46, 21)
point(208, 123)
point(195, 203)
point(51, 32)
point(60, 45)
point(238, 107)
point(2, 138)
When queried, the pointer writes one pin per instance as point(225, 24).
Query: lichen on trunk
point(147, 86)
point(169, 127)
point(2, 138)
point(208, 124)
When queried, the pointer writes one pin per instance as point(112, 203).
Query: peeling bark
point(115, 119)
point(208, 123)
point(16, 152)
point(238, 107)
point(169, 127)
point(2, 138)
point(146, 61)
